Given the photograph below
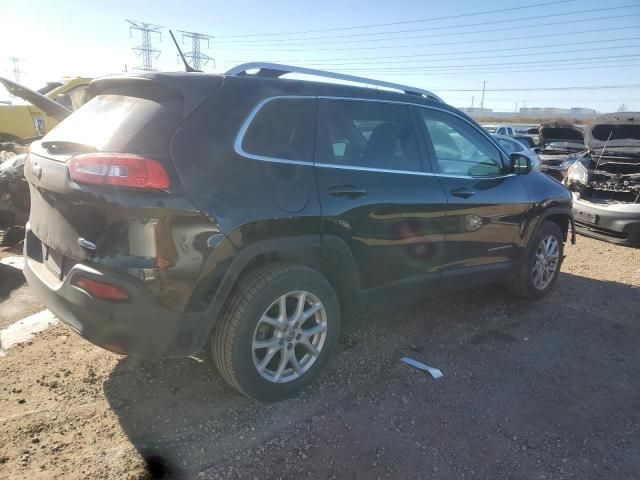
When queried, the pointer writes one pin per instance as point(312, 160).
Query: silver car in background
point(511, 145)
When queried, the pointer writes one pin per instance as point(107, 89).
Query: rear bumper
point(605, 223)
point(140, 326)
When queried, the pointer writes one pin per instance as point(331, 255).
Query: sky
point(531, 53)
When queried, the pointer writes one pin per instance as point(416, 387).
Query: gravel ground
point(542, 390)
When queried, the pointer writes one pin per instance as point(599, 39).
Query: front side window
point(284, 128)
point(459, 148)
point(370, 134)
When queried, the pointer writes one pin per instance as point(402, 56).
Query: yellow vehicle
point(27, 120)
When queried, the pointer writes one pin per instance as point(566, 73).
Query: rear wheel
point(277, 332)
point(540, 268)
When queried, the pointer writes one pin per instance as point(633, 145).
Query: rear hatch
point(102, 181)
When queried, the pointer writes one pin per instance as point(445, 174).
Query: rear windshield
point(120, 123)
point(616, 132)
point(562, 134)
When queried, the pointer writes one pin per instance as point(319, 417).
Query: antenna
point(187, 67)
point(198, 59)
point(145, 50)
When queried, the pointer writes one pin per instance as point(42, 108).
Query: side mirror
point(520, 164)
point(64, 100)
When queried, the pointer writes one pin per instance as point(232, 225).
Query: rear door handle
point(462, 192)
point(348, 191)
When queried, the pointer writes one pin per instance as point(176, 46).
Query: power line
point(549, 100)
point(454, 55)
point(404, 22)
point(579, 87)
point(383, 57)
point(198, 59)
point(483, 65)
point(337, 38)
point(145, 50)
point(569, 68)
point(466, 67)
point(464, 42)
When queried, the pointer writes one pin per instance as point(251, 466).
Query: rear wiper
point(67, 147)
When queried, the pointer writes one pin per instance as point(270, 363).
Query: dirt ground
point(542, 390)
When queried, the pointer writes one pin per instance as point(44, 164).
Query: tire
point(523, 284)
point(249, 316)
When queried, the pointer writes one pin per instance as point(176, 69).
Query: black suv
point(249, 212)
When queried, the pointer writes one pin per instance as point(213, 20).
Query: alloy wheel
point(289, 337)
point(546, 261)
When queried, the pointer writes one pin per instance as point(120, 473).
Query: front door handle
point(463, 192)
point(348, 191)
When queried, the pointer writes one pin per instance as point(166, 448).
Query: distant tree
point(622, 108)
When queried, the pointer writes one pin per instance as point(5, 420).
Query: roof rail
point(275, 70)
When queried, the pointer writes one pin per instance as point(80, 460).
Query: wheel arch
point(330, 256)
point(561, 216)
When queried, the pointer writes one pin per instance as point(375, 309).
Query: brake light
point(118, 169)
point(105, 291)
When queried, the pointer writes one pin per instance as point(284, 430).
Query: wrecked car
point(560, 145)
point(20, 121)
point(14, 199)
point(14, 191)
point(606, 182)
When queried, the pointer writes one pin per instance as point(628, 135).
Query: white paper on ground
point(24, 329)
point(435, 372)
point(15, 262)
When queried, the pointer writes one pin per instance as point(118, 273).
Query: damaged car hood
point(560, 133)
point(617, 131)
point(48, 106)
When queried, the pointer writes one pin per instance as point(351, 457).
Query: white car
point(505, 130)
point(511, 145)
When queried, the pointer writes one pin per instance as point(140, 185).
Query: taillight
point(118, 169)
point(105, 291)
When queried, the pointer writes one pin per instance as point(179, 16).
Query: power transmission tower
point(15, 67)
point(198, 59)
point(145, 50)
point(484, 86)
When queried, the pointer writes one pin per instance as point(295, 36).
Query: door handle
point(348, 191)
point(463, 192)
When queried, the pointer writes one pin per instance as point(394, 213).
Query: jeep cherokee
point(247, 212)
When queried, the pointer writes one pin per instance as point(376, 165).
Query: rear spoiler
point(192, 88)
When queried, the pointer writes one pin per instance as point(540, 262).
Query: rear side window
point(368, 134)
point(121, 123)
point(284, 128)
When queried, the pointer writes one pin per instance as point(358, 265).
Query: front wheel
point(277, 332)
point(540, 267)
